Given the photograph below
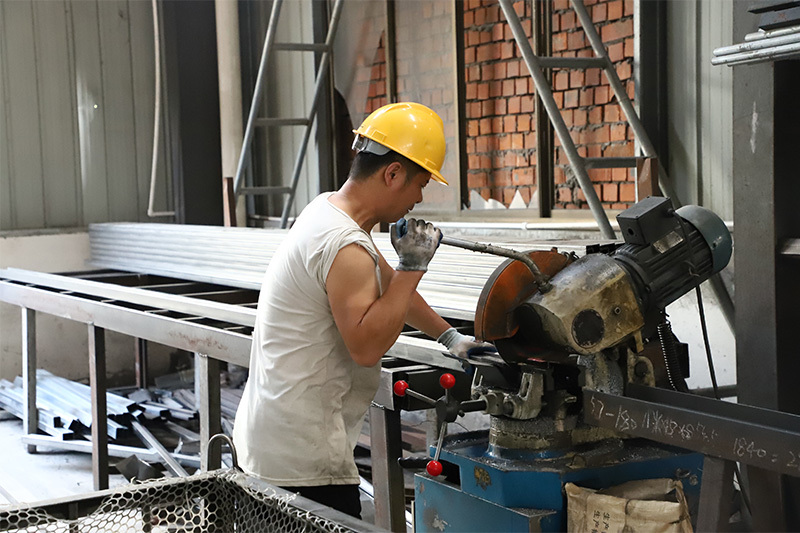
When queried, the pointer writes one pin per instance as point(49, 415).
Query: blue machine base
point(492, 494)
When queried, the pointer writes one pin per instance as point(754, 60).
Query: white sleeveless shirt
point(305, 398)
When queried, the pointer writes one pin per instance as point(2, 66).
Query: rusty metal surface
point(510, 284)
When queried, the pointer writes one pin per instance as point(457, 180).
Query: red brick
point(527, 25)
point(473, 38)
point(519, 7)
point(510, 158)
point(477, 179)
point(512, 68)
point(559, 176)
point(519, 141)
point(600, 13)
point(469, 55)
point(499, 71)
point(531, 86)
point(497, 32)
point(559, 98)
point(599, 174)
point(575, 40)
point(483, 91)
point(555, 25)
point(508, 35)
point(576, 78)
point(630, 89)
point(614, 10)
point(472, 91)
point(514, 104)
point(568, 20)
point(469, 19)
point(500, 106)
point(486, 37)
point(485, 194)
point(619, 132)
point(529, 141)
point(498, 161)
point(610, 192)
point(522, 176)
point(601, 95)
point(472, 128)
point(581, 150)
point(619, 150)
point(629, 52)
point(486, 161)
point(559, 42)
point(473, 73)
point(593, 150)
point(527, 104)
point(501, 178)
point(560, 5)
point(617, 30)
point(619, 174)
point(487, 52)
point(601, 134)
point(487, 72)
point(508, 196)
point(624, 70)
point(470, 146)
point(521, 86)
point(485, 127)
point(596, 115)
point(586, 97)
point(579, 117)
point(473, 161)
point(611, 113)
point(616, 51)
point(564, 194)
point(627, 192)
point(566, 115)
point(571, 98)
point(524, 123)
point(509, 123)
point(487, 108)
point(495, 89)
point(507, 50)
point(561, 80)
point(497, 125)
point(492, 13)
point(522, 160)
point(480, 16)
point(592, 77)
point(628, 12)
point(482, 144)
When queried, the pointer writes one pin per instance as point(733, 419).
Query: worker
point(330, 307)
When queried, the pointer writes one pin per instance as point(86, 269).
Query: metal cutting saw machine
point(569, 331)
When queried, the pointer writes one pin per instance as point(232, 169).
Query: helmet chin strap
point(365, 144)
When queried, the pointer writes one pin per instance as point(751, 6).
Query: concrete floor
point(45, 475)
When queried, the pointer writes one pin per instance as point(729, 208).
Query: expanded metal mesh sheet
point(221, 501)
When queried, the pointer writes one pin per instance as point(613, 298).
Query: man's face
point(410, 194)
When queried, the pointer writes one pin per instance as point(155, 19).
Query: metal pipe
point(758, 45)
point(149, 439)
point(151, 212)
point(755, 56)
point(254, 107)
point(545, 93)
point(230, 88)
point(540, 278)
point(322, 73)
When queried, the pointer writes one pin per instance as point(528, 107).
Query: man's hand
point(464, 345)
point(415, 242)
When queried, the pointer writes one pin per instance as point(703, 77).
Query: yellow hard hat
point(412, 130)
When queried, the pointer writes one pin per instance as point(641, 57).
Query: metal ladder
point(579, 164)
point(253, 120)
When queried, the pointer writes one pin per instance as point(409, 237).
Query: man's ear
point(393, 174)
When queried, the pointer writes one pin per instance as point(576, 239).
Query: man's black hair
point(365, 164)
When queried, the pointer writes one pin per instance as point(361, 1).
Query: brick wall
point(500, 102)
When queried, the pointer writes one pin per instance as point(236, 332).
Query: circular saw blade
point(510, 284)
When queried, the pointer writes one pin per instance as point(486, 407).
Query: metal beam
point(97, 380)
point(30, 415)
point(387, 475)
point(208, 398)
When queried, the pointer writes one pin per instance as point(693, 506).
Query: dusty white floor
point(45, 475)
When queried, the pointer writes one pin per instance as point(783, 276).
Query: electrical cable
point(736, 471)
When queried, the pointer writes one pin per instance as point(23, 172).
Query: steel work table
point(196, 288)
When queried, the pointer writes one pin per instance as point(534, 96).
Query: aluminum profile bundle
point(760, 46)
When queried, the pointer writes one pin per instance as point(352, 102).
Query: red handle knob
point(400, 388)
point(447, 381)
point(434, 468)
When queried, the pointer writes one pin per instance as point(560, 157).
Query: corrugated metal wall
point(76, 113)
point(700, 104)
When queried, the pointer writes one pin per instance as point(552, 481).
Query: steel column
point(206, 385)
point(30, 416)
point(387, 476)
point(716, 493)
point(140, 362)
point(97, 380)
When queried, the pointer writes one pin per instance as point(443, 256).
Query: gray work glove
point(415, 242)
point(464, 345)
